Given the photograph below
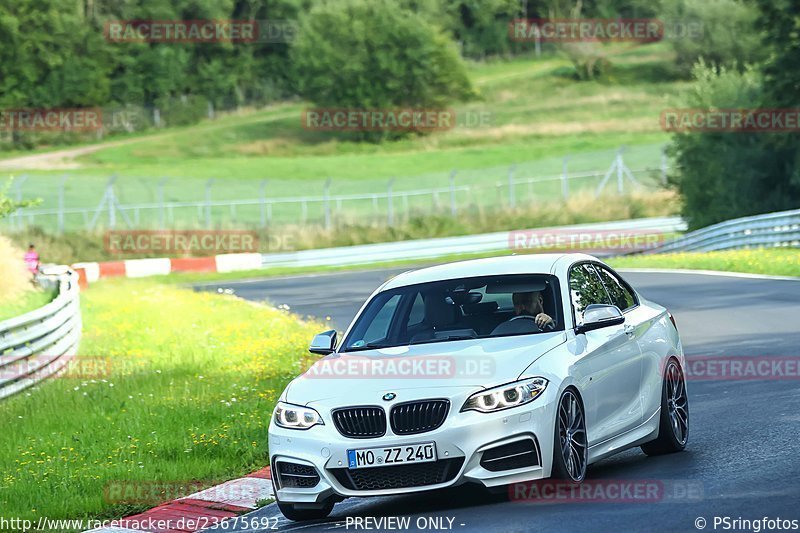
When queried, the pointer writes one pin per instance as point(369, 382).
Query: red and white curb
point(200, 510)
point(139, 268)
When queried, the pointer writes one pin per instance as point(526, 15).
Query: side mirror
point(597, 316)
point(324, 343)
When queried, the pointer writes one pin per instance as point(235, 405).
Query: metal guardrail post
point(209, 184)
point(453, 208)
point(262, 196)
point(390, 202)
point(61, 203)
point(327, 201)
point(512, 201)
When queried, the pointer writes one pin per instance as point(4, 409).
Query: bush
point(589, 60)
point(14, 277)
point(182, 111)
point(361, 54)
point(727, 175)
point(727, 34)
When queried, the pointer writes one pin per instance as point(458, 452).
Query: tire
point(290, 511)
point(570, 449)
point(673, 426)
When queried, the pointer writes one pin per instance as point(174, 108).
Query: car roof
point(490, 266)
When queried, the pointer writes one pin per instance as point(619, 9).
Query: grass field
point(538, 115)
point(28, 301)
point(177, 387)
point(770, 262)
point(775, 262)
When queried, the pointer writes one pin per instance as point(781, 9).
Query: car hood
point(355, 377)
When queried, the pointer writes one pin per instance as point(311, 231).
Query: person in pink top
point(32, 260)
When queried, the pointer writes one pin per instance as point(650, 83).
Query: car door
point(642, 322)
point(609, 360)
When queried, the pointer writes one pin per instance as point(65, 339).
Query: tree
point(779, 21)
point(724, 175)
point(725, 33)
point(729, 175)
point(362, 54)
point(9, 206)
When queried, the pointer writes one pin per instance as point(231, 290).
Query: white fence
point(134, 203)
point(40, 344)
point(781, 229)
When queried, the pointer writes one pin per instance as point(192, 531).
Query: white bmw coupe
point(492, 371)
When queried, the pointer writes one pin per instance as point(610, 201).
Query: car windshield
point(458, 309)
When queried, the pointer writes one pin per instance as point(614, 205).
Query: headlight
point(505, 396)
point(296, 416)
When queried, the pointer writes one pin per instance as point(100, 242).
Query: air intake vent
point(360, 422)
point(400, 476)
point(418, 417)
point(519, 454)
point(295, 475)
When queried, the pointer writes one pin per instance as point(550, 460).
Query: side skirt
point(642, 433)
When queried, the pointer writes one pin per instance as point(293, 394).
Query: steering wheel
point(551, 326)
point(528, 317)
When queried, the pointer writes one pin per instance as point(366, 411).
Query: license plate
point(391, 455)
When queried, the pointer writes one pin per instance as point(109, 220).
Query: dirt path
point(65, 159)
point(58, 160)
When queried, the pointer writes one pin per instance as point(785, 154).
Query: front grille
point(360, 422)
point(410, 418)
point(519, 454)
point(400, 476)
point(297, 476)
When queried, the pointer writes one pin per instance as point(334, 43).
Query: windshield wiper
point(448, 338)
point(370, 346)
point(380, 345)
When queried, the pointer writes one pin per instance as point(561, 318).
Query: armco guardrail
point(40, 344)
point(780, 229)
point(434, 248)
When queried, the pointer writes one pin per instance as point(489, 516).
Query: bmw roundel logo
point(389, 396)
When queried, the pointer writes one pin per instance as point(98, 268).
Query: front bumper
point(461, 441)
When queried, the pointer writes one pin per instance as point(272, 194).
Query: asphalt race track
point(742, 460)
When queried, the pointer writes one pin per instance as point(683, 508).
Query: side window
point(585, 288)
point(379, 327)
point(417, 313)
point(620, 295)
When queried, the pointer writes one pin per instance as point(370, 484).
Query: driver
point(532, 304)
